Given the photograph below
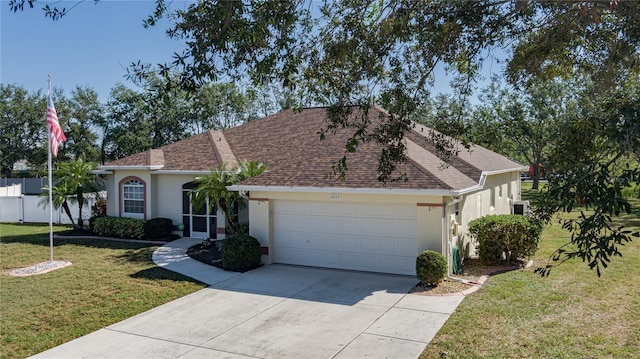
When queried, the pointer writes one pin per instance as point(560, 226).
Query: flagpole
point(50, 181)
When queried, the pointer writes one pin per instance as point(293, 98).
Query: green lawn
point(570, 314)
point(106, 283)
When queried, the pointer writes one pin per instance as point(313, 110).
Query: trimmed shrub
point(119, 227)
point(505, 238)
point(101, 226)
point(92, 219)
point(431, 267)
point(158, 228)
point(241, 253)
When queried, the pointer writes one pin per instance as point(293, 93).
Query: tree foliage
point(158, 114)
point(592, 162)
point(213, 188)
point(527, 120)
point(60, 195)
point(83, 114)
point(365, 52)
point(373, 52)
point(75, 180)
point(218, 106)
point(132, 120)
point(24, 132)
point(21, 127)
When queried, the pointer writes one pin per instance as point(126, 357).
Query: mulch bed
point(474, 274)
point(208, 253)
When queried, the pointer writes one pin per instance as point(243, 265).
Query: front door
point(199, 222)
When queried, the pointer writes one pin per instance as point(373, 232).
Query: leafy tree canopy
point(360, 53)
point(372, 52)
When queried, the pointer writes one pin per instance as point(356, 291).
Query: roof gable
point(289, 143)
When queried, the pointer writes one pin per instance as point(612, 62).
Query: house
point(301, 215)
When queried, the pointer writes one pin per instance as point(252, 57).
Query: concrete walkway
point(276, 311)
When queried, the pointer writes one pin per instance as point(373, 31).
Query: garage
point(371, 237)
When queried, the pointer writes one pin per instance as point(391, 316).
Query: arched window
point(133, 198)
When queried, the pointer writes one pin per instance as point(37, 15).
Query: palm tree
point(59, 194)
point(214, 187)
point(76, 178)
point(248, 169)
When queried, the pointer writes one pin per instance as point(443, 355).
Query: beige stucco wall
point(164, 199)
point(114, 205)
point(430, 228)
point(429, 214)
point(110, 187)
point(169, 195)
point(163, 195)
point(496, 197)
point(260, 227)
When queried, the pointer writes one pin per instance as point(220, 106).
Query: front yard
point(570, 314)
point(106, 283)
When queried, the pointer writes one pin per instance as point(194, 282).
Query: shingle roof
point(192, 154)
point(289, 143)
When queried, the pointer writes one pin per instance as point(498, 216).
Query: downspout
point(454, 200)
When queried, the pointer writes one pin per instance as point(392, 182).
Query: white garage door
point(358, 236)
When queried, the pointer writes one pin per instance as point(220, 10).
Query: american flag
point(56, 136)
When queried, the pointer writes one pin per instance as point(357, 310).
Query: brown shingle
point(192, 154)
point(289, 143)
point(139, 159)
point(449, 175)
point(473, 161)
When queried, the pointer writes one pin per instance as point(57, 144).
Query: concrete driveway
point(278, 311)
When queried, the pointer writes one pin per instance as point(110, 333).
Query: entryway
point(198, 222)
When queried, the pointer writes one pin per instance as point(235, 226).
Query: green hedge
point(505, 238)
point(131, 228)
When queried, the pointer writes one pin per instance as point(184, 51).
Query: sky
point(94, 45)
point(91, 46)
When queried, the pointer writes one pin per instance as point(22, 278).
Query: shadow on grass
point(157, 273)
point(630, 220)
point(138, 255)
point(43, 240)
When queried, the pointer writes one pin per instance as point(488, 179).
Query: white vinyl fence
point(13, 190)
point(27, 209)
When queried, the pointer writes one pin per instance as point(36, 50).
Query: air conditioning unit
point(521, 207)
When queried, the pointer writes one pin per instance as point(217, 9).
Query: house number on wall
point(335, 196)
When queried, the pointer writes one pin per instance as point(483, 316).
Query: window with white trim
point(133, 197)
